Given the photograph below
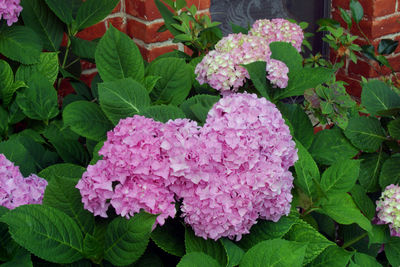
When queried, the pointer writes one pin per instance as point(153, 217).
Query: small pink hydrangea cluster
point(388, 209)
point(15, 190)
point(227, 174)
point(10, 10)
point(222, 68)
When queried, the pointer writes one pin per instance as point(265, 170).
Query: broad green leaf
point(387, 46)
point(197, 107)
point(15, 113)
point(118, 57)
point(86, 119)
point(126, 240)
point(47, 67)
point(81, 89)
point(302, 232)
point(122, 98)
point(17, 153)
point(357, 11)
point(377, 96)
point(46, 232)
point(394, 129)
point(6, 77)
point(93, 11)
point(380, 234)
point(342, 209)
point(8, 94)
point(340, 177)
point(163, 113)
point(276, 252)
point(365, 260)
point(70, 151)
point(3, 121)
point(93, 248)
point(21, 44)
point(333, 256)
point(63, 9)
point(366, 133)
point(150, 81)
point(21, 258)
point(168, 17)
point(234, 252)
point(61, 194)
point(370, 170)
point(390, 173)
point(392, 251)
point(307, 171)
point(286, 53)
point(197, 259)
point(175, 82)
point(83, 48)
point(96, 157)
point(62, 170)
point(170, 237)
point(37, 15)
point(331, 145)
point(39, 100)
point(257, 72)
point(210, 247)
point(266, 230)
point(363, 202)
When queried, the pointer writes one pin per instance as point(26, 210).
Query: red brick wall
point(381, 21)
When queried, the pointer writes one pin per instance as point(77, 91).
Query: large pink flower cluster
point(15, 190)
point(222, 68)
point(9, 10)
point(227, 174)
point(388, 209)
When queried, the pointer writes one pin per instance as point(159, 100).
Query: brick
point(382, 8)
point(151, 54)
point(147, 33)
point(394, 61)
point(119, 23)
point(363, 68)
point(353, 86)
point(87, 78)
point(386, 26)
point(93, 32)
point(86, 65)
point(118, 7)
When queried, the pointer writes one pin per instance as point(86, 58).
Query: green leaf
point(17, 153)
point(376, 96)
point(238, 29)
point(346, 17)
point(47, 67)
point(46, 232)
point(394, 128)
point(392, 251)
point(390, 173)
point(331, 145)
point(170, 237)
point(21, 258)
point(340, 177)
point(276, 252)
point(197, 107)
point(126, 240)
point(93, 11)
point(61, 194)
point(21, 44)
point(3, 121)
point(370, 170)
point(233, 252)
point(197, 259)
point(118, 57)
point(210, 247)
point(96, 156)
point(83, 48)
point(333, 256)
point(365, 133)
point(63, 9)
point(363, 202)
point(342, 209)
point(302, 128)
point(163, 113)
point(86, 119)
point(387, 46)
point(286, 53)
point(168, 17)
point(6, 77)
point(39, 100)
point(122, 98)
point(8, 93)
point(307, 171)
point(365, 260)
point(357, 10)
point(257, 72)
point(175, 82)
point(302, 232)
point(379, 235)
point(266, 230)
point(47, 26)
point(150, 81)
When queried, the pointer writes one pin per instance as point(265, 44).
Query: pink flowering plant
point(188, 160)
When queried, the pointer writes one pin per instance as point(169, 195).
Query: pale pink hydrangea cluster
point(15, 190)
point(10, 10)
point(227, 174)
point(388, 209)
point(222, 68)
point(279, 30)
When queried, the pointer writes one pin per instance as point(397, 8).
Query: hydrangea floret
point(388, 209)
point(15, 190)
point(226, 174)
point(10, 10)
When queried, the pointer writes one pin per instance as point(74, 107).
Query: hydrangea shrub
point(10, 10)
point(388, 209)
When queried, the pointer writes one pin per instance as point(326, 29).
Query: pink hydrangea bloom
point(278, 30)
point(388, 209)
point(10, 10)
point(15, 190)
point(277, 73)
point(241, 171)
